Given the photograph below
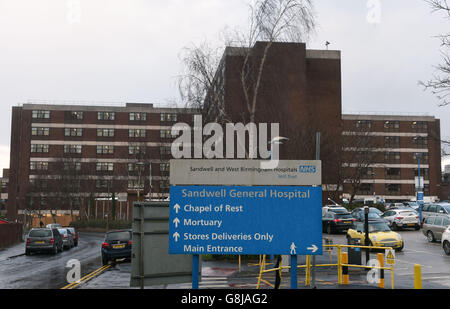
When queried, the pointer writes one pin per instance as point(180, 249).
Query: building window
point(136, 167)
point(169, 117)
point(103, 184)
point(136, 133)
point(392, 141)
point(105, 167)
point(72, 148)
point(39, 184)
point(365, 189)
point(134, 184)
point(393, 189)
point(40, 131)
point(133, 150)
point(392, 157)
point(105, 116)
point(72, 166)
point(164, 184)
point(105, 149)
point(420, 142)
point(392, 126)
point(423, 157)
point(164, 167)
point(39, 148)
point(74, 115)
point(40, 114)
point(38, 166)
point(167, 134)
point(73, 132)
point(138, 116)
point(164, 150)
point(364, 124)
point(419, 126)
point(105, 132)
point(424, 172)
point(393, 173)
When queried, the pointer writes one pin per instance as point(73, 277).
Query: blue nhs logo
point(307, 169)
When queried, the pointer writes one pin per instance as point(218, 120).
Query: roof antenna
point(327, 43)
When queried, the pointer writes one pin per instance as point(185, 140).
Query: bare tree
point(269, 21)
point(439, 84)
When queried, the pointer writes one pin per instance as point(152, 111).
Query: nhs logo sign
point(307, 169)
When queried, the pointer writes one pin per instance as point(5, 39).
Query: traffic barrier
point(380, 258)
point(345, 277)
point(417, 277)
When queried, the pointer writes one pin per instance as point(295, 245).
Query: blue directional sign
point(245, 220)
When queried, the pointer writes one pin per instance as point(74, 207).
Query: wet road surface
point(47, 271)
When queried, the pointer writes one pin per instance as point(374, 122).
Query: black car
point(117, 245)
point(44, 239)
point(336, 221)
point(374, 214)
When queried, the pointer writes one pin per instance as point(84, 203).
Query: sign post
point(246, 219)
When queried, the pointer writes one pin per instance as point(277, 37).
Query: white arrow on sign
point(176, 221)
point(176, 207)
point(176, 236)
point(313, 248)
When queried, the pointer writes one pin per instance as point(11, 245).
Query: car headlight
point(399, 237)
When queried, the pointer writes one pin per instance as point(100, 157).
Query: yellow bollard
point(380, 257)
point(345, 278)
point(417, 277)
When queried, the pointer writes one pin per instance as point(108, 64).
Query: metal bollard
point(417, 277)
point(345, 278)
point(380, 257)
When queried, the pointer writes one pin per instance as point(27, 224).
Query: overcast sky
point(128, 51)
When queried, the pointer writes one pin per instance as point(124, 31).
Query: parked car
point(434, 226)
point(336, 221)
point(439, 209)
point(402, 218)
point(43, 239)
point(67, 238)
point(390, 205)
point(117, 245)
point(446, 241)
point(74, 234)
point(380, 235)
point(334, 208)
point(53, 226)
point(374, 213)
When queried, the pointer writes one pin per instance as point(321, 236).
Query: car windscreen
point(62, 231)
point(338, 210)
point(40, 233)
point(123, 235)
point(373, 215)
point(378, 227)
point(447, 208)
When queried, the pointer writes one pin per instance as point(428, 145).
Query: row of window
point(100, 184)
point(101, 149)
point(394, 125)
point(78, 132)
point(390, 189)
point(395, 173)
point(394, 141)
point(100, 166)
point(76, 115)
point(394, 157)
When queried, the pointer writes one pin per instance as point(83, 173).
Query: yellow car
point(380, 235)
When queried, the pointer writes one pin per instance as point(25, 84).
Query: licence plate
point(347, 222)
point(118, 246)
point(39, 242)
point(411, 224)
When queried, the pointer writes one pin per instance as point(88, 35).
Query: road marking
point(86, 278)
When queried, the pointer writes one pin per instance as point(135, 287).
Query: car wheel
point(446, 246)
point(430, 236)
point(104, 260)
point(395, 227)
point(417, 227)
point(27, 252)
point(400, 248)
point(55, 250)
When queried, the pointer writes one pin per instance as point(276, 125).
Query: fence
point(10, 234)
point(342, 266)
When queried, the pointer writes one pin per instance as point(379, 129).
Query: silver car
point(67, 237)
point(402, 218)
point(436, 209)
point(40, 239)
point(434, 226)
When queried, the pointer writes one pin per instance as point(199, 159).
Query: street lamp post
point(419, 194)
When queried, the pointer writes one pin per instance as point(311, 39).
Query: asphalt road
point(46, 271)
